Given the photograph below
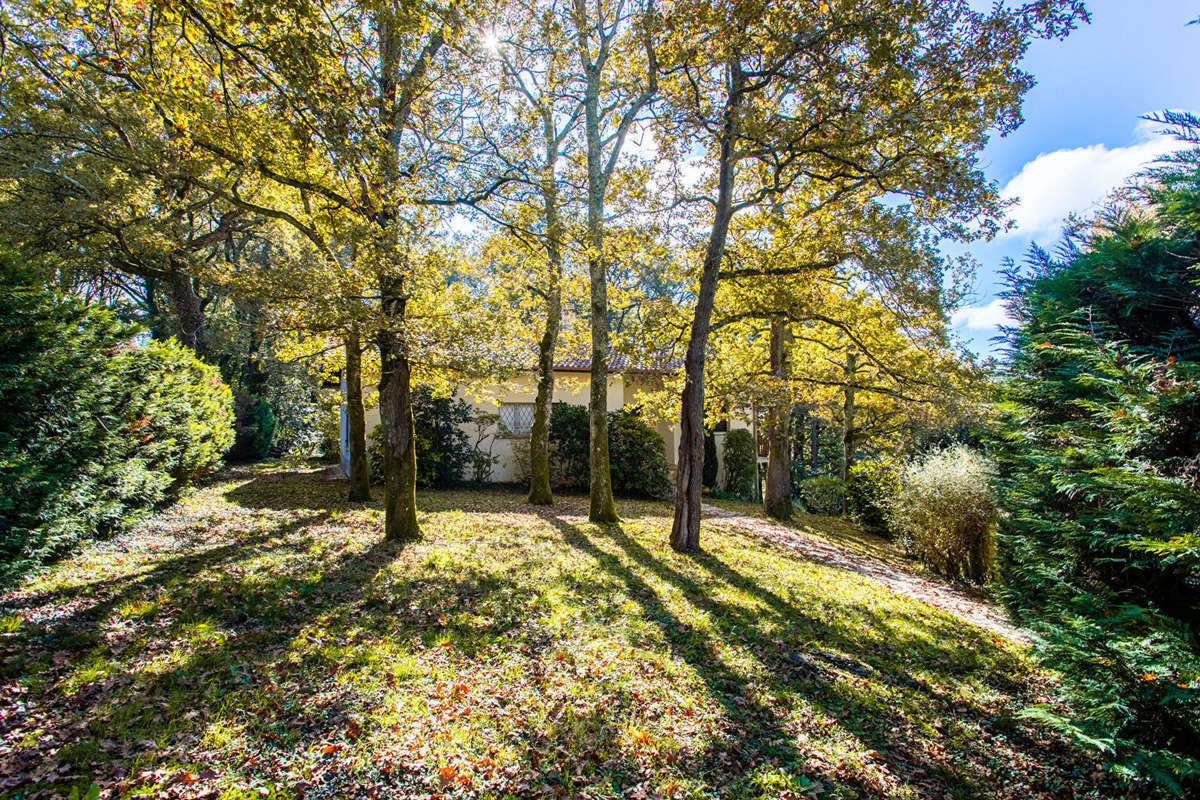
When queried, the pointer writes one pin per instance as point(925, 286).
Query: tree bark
point(849, 372)
point(814, 445)
point(539, 432)
point(356, 424)
point(601, 507)
point(189, 314)
point(689, 476)
point(400, 451)
point(395, 378)
point(777, 501)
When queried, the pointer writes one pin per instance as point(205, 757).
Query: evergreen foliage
point(741, 456)
point(94, 429)
point(636, 452)
point(568, 445)
point(1099, 463)
point(444, 454)
point(820, 494)
point(868, 487)
point(638, 457)
point(710, 460)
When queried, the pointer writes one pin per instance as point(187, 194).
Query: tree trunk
point(801, 432)
point(689, 476)
point(848, 421)
point(185, 303)
point(395, 378)
point(777, 501)
point(539, 432)
point(399, 451)
point(601, 507)
point(356, 424)
point(814, 445)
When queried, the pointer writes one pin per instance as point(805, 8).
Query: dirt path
point(942, 596)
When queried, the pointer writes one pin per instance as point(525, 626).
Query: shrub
point(1098, 448)
point(181, 409)
point(93, 430)
point(942, 508)
point(444, 453)
point(637, 458)
point(637, 455)
point(254, 429)
point(521, 460)
point(821, 494)
point(870, 483)
point(569, 450)
point(326, 422)
point(741, 460)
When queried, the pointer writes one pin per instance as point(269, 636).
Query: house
point(513, 403)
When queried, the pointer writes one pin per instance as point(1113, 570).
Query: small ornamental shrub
point(944, 512)
point(568, 438)
point(520, 460)
point(254, 429)
point(870, 483)
point(444, 453)
point(637, 456)
point(94, 430)
point(741, 458)
point(326, 422)
point(821, 494)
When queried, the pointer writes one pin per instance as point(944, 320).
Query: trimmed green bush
point(870, 483)
point(94, 430)
point(821, 494)
point(741, 458)
point(444, 454)
point(637, 455)
point(944, 512)
point(568, 438)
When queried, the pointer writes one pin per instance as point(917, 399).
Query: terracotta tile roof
point(580, 360)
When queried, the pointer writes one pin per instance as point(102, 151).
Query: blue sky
point(1082, 135)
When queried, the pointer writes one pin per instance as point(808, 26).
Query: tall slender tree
point(615, 44)
point(835, 102)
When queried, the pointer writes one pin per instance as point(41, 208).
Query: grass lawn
point(259, 639)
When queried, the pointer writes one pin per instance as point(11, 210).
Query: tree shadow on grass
point(948, 749)
point(752, 730)
point(290, 491)
point(287, 654)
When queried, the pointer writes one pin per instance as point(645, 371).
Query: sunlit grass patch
point(263, 637)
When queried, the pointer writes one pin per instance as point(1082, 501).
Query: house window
point(516, 418)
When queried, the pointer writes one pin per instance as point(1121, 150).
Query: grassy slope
point(261, 640)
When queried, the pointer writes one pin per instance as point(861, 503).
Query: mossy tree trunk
point(399, 451)
point(848, 371)
point(777, 501)
point(539, 432)
point(356, 424)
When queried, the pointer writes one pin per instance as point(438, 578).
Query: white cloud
point(986, 317)
point(1075, 180)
